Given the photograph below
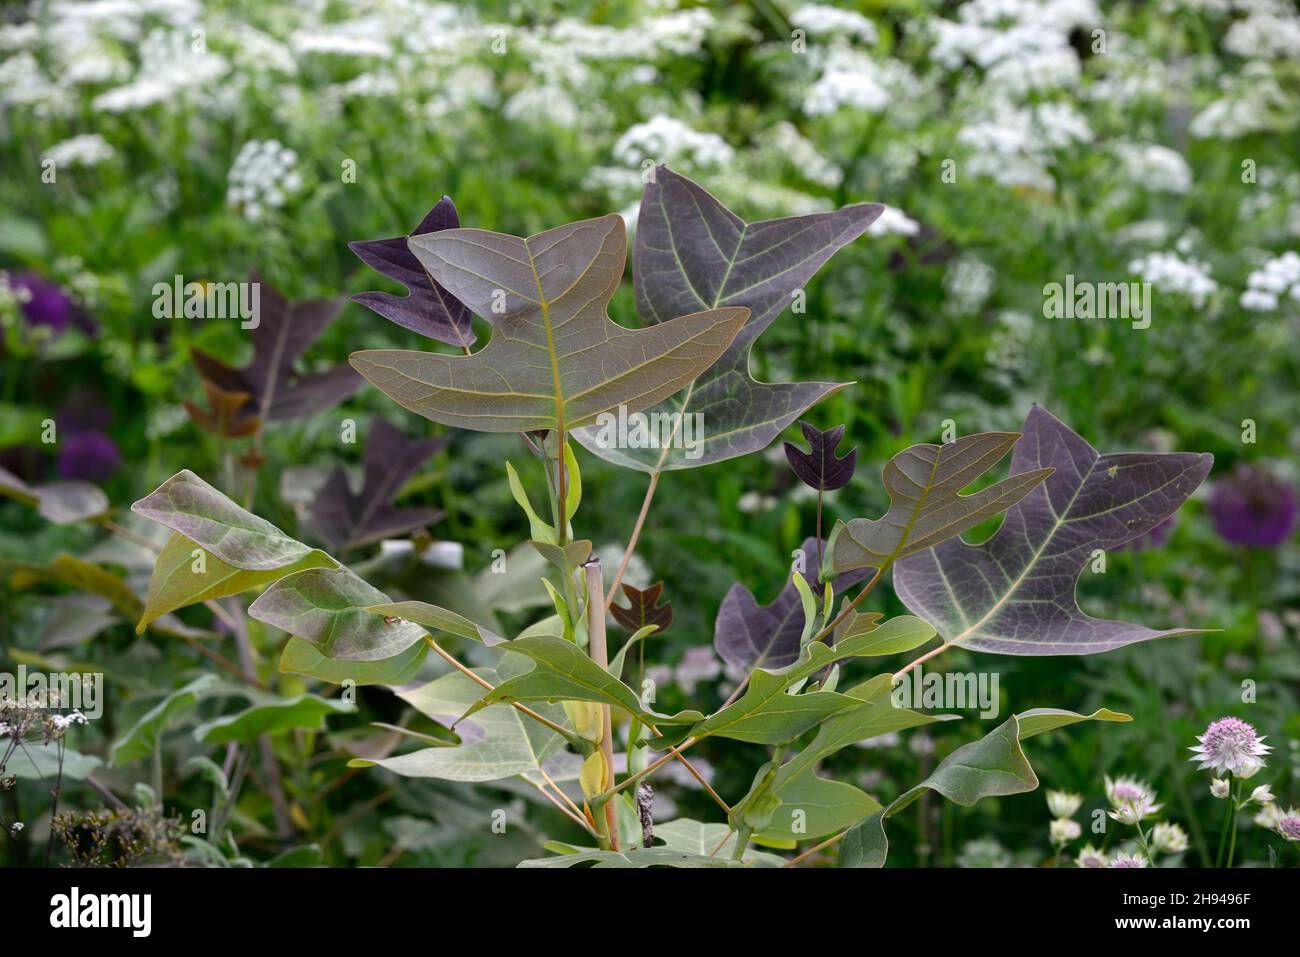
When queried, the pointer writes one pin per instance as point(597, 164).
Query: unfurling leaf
point(347, 520)
point(1015, 594)
point(749, 635)
point(328, 608)
point(594, 773)
point(230, 415)
point(924, 484)
point(555, 360)
point(819, 467)
point(428, 308)
point(57, 502)
point(693, 253)
point(992, 766)
point(643, 609)
point(283, 333)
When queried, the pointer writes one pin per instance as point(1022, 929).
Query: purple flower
point(91, 456)
point(1253, 507)
point(47, 304)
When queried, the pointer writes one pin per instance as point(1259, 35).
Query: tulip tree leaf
point(636, 857)
point(57, 502)
point(749, 635)
point(993, 766)
point(346, 519)
point(693, 253)
point(498, 742)
point(140, 739)
point(433, 618)
point(284, 331)
point(428, 309)
point(765, 714)
point(819, 467)
point(307, 712)
point(327, 607)
point(185, 574)
point(643, 609)
point(926, 508)
point(564, 672)
point(697, 837)
point(555, 360)
point(188, 505)
point(1015, 594)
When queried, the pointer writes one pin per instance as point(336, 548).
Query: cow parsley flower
point(1277, 278)
point(1170, 273)
point(893, 222)
point(88, 149)
point(665, 139)
point(1231, 745)
point(262, 178)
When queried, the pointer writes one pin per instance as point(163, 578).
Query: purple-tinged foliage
point(643, 609)
point(1253, 507)
point(1015, 594)
point(346, 519)
point(749, 635)
point(284, 332)
point(692, 253)
point(428, 309)
point(1158, 537)
point(819, 468)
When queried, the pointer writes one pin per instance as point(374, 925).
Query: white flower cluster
point(831, 23)
point(1269, 33)
point(893, 222)
point(62, 722)
point(262, 178)
point(1169, 272)
point(1266, 286)
point(850, 78)
point(990, 31)
point(968, 282)
point(665, 139)
point(170, 65)
point(1252, 102)
point(788, 142)
point(1154, 167)
point(1012, 145)
point(88, 149)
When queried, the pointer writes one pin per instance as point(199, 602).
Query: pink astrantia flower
point(1128, 860)
point(1231, 744)
point(1133, 800)
point(1289, 826)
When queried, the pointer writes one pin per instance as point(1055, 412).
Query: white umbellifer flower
point(968, 283)
point(784, 140)
point(1231, 745)
point(990, 31)
point(1253, 102)
point(1035, 72)
point(1063, 804)
point(1261, 795)
point(16, 826)
point(1063, 831)
point(665, 139)
point(1128, 860)
point(88, 149)
point(1170, 273)
point(1155, 167)
point(1277, 278)
point(169, 68)
point(1091, 857)
point(1266, 33)
point(262, 178)
point(1169, 837)
point(1220, 788)
point(834, 24)
point(893, 222)
point(64, 721)
point(1133, 800)
point(851, 79)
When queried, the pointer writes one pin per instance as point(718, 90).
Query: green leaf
point(434, 618)
point(619, 661)
point(924, 484)
point(555, 360)
point(187, 504)
point(538, 529)
point(766, 714)
point(498, 742)
point(995, 765)
point(564, 672)
point(328, 607)
point(175, 582)
point(640, 857)
point(697, 837)
point(300, 657)
point(567, 559)
point(306, 711)
point(140, 740)
point(40, 762)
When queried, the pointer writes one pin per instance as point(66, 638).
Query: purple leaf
point(348, 520)
point(819, 468)
point(429, 309)
point(1015, 594)
point(643, 609)
point(285, 330)
point(693, 253)
point(749, 635)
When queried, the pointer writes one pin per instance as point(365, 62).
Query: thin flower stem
point(631, 542)
point(925, 657)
